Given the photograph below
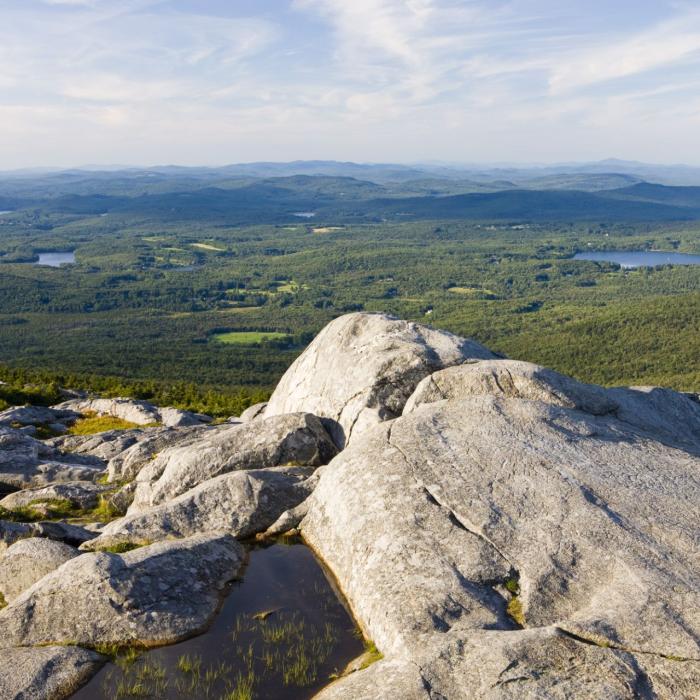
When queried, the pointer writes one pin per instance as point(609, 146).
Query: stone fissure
point(461, 522)
point(618, 647)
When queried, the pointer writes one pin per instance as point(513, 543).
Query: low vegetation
point(47, 509)
point(515, 611)
point(371, 655)
point(42, 509)
point(93, 423)
point(123, 547)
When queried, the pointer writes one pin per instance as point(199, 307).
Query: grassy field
point(248, 337)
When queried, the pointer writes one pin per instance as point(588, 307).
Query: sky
point(210, 82)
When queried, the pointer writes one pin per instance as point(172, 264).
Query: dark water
point(639, 258)
point(56, 259)
point(290, 655)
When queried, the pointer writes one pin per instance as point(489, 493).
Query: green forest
point(207, 315)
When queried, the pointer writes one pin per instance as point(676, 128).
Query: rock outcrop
point(18, 416)
point(127, 463)
point(139, 412)
point(511, 379)
point(468, 518)
point(104, 445)
point(81, 495)
point(499, 530)
point(11, 532)
point(26, 462)
point(242, 503)
point(45, 673)
point(257, 410)
point(29, 560)
point(297, 438)
point(153, 595)
point(361, 369)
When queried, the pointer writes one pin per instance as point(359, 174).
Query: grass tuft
point(515, 611)
point(122, 547)
point(371, 655)
point(512, 585)
point(41, 509)
point(91, 424)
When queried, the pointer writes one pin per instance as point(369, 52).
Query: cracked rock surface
point(242, 503)
point(484, 510)
point(297, 438)
point(361, 369)
point(139, 412)
point(25, 462)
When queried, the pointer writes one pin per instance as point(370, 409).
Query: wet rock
point(361, 369)
point(29, 560)
point(154, 595)
point(45, 673)
point(297, 438)
point(242, 503)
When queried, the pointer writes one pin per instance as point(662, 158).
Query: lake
point(281, 633)
point(56, 259)
point(639, 258)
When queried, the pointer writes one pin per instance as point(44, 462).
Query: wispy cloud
point(210, 81)
point(669, 43)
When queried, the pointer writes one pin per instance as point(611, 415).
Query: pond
point(639, 258)
point(281, 633)
point(56, 259)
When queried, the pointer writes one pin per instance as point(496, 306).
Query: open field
point(247, 337)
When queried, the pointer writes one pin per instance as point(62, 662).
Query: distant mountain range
point(275, 192)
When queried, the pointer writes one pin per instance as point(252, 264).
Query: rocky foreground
point(499, 530)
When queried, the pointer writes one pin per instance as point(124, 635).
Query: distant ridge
point(678, 174)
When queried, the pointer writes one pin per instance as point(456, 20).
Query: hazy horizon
point(456, 165)
point(209, 82)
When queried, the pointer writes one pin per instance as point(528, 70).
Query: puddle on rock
point(281, 633)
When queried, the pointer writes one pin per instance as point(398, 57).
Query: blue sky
point(219, 81)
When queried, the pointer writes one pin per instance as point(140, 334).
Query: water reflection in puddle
point(281, 633)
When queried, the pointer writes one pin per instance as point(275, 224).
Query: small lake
point(56, 259)
point(281, 633)
point(639, 258)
